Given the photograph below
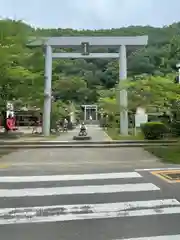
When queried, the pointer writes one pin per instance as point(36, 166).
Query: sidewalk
point(35, 137)
point(96, 133)
point(79, 159)
point(41, 156)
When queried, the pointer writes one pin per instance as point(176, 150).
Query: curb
point(78, 145)
point(85, 142)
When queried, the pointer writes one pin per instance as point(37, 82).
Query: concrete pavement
point(81, 159)
point(93, 130)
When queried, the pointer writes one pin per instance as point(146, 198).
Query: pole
point(123, 93)
point(47, 91)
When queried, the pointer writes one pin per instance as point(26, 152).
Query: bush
point(154, 130)
point(175, 128)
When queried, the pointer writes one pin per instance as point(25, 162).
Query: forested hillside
point(79, 81)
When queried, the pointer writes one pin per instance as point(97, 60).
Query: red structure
point(11, 124)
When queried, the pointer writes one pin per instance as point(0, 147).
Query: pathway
point(94, 131)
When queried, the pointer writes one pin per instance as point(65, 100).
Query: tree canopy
point(87, 81)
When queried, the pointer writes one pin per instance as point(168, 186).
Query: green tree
point(153, 93)
point(85, 80)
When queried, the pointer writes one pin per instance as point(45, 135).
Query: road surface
point(85, 194)
point(91, 206)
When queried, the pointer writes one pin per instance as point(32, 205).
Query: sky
point(91, 14)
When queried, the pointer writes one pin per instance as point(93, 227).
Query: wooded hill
point(80, 81)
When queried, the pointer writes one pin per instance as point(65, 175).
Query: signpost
point(85, 48)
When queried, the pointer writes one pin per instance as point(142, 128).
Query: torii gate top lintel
point(75, 41)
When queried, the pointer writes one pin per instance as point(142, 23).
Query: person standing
point(90, 118)
point(65, 125)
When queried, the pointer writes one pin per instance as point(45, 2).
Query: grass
point(5, 152)
point(167, 154)
point(114, 135)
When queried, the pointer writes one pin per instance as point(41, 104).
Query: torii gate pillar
point(47, 91)
point(123, 93)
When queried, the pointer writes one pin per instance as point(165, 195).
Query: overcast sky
point(91, 14)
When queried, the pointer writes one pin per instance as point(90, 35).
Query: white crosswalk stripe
point(70, 177)
point(27, 192)
point(82, 212)
point(34, 193)
point(167, 237)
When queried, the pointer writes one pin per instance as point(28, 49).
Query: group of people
point(62, 124)
point(36, 124)
point(10, 124)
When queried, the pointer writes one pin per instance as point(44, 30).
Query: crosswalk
point(81, 197)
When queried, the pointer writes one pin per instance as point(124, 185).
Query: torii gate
point(86, 42)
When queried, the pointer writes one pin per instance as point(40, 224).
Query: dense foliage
point(87, 81)
point(154, 130)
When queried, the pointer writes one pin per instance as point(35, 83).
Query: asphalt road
point(61, 194)
point(91, 206)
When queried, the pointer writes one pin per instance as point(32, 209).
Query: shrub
point(154, 130)
point(175, 128)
